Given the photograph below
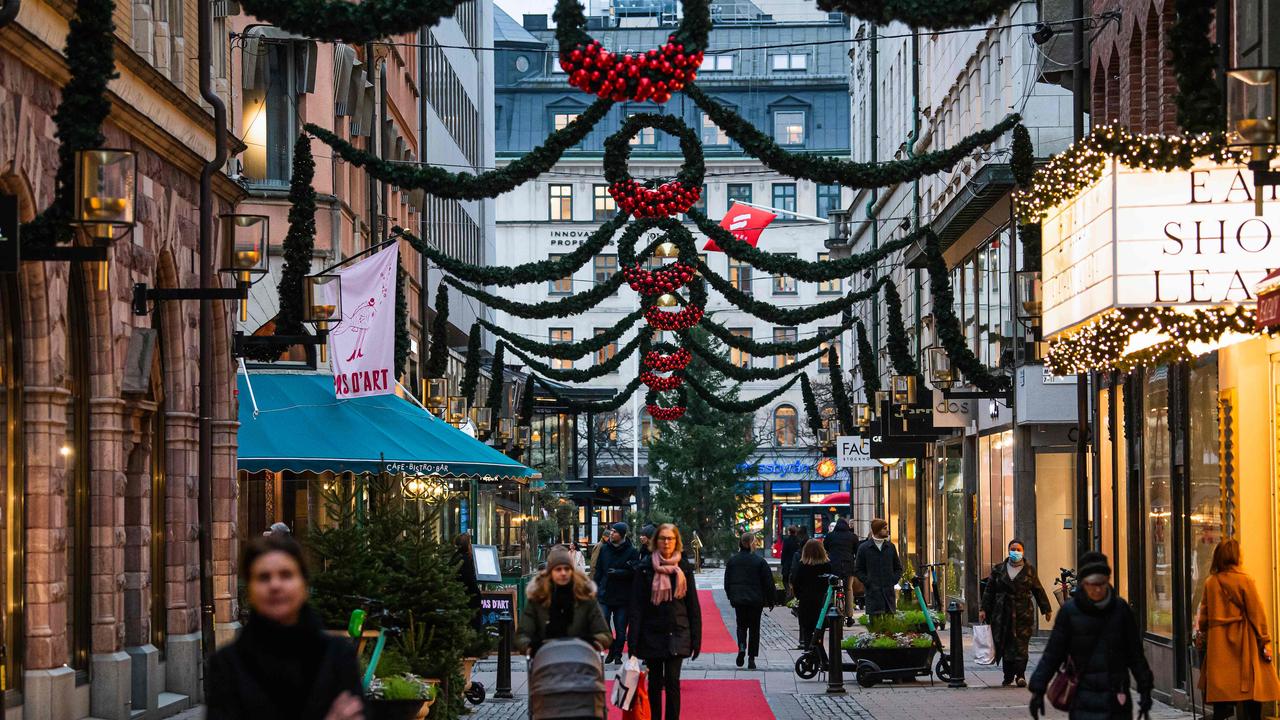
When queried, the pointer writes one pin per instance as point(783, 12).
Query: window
point(646, 136)
point(824, 364)
point(716, 63)
point(561, 202)
point(560, 286)
point(784, 198)
point(786, 426)
point(269, 114)
point(604, 267)
point(784, 335)
point(711, 133)
point(701, 204)
point(737, 193)
point(607, 429)
point(788, 127)
point(560, 121)
point(603, 208)
point(740, 276)
point(561, 336)
point(741, 358)
point(789, 61)
point(828, 200)
point(784, 284)
point(606, 353)
point(648, 430)
point(829, 287)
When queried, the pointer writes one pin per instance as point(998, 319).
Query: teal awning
point(299, 425)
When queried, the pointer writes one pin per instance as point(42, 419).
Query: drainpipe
point(1079, 88)
point(424, 266)
point(204, 502)
point(915, 185)
point(371, 185)
point(9, 11)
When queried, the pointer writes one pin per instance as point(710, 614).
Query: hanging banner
point(362, 348)
point(745, 223)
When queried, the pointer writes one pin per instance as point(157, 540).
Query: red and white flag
point(362, 348)
point(745, 223)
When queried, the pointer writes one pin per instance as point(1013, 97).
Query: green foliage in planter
point(899, 622)
point(403, 687)
point(887, 641)
point(480, 644)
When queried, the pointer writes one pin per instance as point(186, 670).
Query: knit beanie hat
point(559, 555)
point(648, 531)
point(621, 528)
point(1093, 563)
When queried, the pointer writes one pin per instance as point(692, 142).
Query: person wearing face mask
point(612, 574)
point(879, 569)
point(1007, 605)
point(283, 665)
point(1097, 629)
point(561, 602)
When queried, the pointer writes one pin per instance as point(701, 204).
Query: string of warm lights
point(1125, 338)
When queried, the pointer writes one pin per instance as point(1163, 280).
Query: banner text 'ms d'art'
point(362, 346)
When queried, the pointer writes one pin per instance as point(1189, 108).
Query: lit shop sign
point(1144, 238)
point(778, 468)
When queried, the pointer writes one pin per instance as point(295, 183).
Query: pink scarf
point(663, 570)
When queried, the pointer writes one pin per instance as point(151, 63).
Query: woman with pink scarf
point(666, 622)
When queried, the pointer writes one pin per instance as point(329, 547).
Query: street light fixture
point(245, 250)
point(1030, 296)
point(323, 304)
point(1253, 109)
point(457, 410)
point(437, 395)
point(482, 417)
point(106, 182)
point(904, 389)
point(941, 374)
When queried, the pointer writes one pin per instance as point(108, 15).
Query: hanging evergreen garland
point(593, 406)
point(868, 365)
point(1101, 344)
point(81, 111)
point(926, 14)
point(791, 266)
point(566, 351)
point(402, 321)
point(899, 348)
point(1195, 62)
point(831, 170)
point(574, 375)
point(667, 198)
point(651, 75)
point(1022, 159)
point(464, 185)
point(839, 395)
point(762, 348)
point(811, 415)
point(784, 316)
point(949, 333)
point(575, 304)
point(349, 22)
point(471, 369)
point(438, 355)
point(747, 374)
point(299, 242)
point(497, 376)
point(717, 400)
point(530, 272)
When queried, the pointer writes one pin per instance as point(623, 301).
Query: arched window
point(11, 461)
point(785, 426)
point(1136, 97)
point(76, 460)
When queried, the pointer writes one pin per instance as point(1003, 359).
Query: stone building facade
point(1130, 71)
point(101, 582)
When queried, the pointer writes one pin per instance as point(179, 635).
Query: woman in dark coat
point(1096, 628)
point(561, 603)
point(665, 620)
point(283, 664)
point(1007, 605)
point(810, 588)
point(748, 582)
point(465, 559)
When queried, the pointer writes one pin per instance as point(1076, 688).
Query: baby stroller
point(566, 682)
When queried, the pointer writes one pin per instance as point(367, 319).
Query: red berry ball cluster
point(655, 282)
point(657, 412)
point(686, 318)
point(668, 199)
point(661, 362)
point(653, 75)
point(661, 383)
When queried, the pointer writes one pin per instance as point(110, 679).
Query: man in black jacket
point(790, 553)
point(613, 575)
point(879, 568)
point(841, 545)
point(748, 582)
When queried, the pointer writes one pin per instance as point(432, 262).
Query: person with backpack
point(841, 545)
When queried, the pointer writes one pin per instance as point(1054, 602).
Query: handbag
point(639, 709)
point(1061, 692)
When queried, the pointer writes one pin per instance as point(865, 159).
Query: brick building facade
point(1129, 67)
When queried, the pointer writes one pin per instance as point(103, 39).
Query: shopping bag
point(626, 683)
point(984, 646)
point(640, 707)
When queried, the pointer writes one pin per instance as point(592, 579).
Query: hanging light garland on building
point(1126, 338)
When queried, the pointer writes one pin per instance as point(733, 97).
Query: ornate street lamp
point(506, 429)
point(862, 414)
point(323, 304)
point(457, 410)
point(106, 183)
point(524, 435)
point(245, 251)
point(1253, 109)
point(904, 389)
point(436, 395)
point(1030, 296)
point(482, 418)
point(941, 375)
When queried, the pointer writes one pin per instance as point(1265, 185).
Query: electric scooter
point(814, 659)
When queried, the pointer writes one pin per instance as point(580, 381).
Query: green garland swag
point(783, 316)
point(762, 348)
point(531, 272)
point(471, 370)
point(840, 395)
point(950, 335)
point(717, 401)
point(493, 400)
point(654, 397)
point(527, 400)
point(899, 348)
point(463, 185)
point(1194, 55)
point(575, 375)
point(927, 14)
point(593, 406)
point(831, 170)
point(81, 111)
point(575, 304)
point(402, 320)
point(617, 153)
point(791, 266)
point(673, 231)
point(1029, 237)
point(300, 241)
point(438, 354)
point(349, 22)
point(868, 367)
point(742, 374)
point(1022, 160)
point(811, 415)
point(567, 351)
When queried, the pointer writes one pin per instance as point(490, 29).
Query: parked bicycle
point(1064, 585)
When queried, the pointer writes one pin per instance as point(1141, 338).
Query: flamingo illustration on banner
point(362, 346)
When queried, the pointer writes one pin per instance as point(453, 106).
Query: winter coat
point(810, 589)
point(790, 555)
point(1007, 603)
point(467, 576)
point(879, 569)
point(1236, 623)
point(274, 672)
point(842, 547)
point(588, 623)
point(749, 581)
point(612, 572)
point(672, 629)
point(1105, 646)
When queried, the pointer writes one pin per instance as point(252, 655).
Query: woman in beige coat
point(1233, 633)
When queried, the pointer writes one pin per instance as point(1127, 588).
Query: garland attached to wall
point(831, 170)
point(575, 304)
point(899, 347)
point(1101, 344)
point(747, 374)
point(927, 14)
point(81, 112)
point(1195, 64)
point(783, 316)
point(765, 348)
point(438, 354)
point(949, 332)
point(471, 368)
point(349, 22)
point(497, 376)
point(1023, 165)
point(592, 406)
point(717, 401)
point(811, 414)
point(574, 375)
point(402, 343)
point(839, 394)
point(567, 351)
point(464, 185)
point(868, 364)
point(300, 241)
point(664, 199)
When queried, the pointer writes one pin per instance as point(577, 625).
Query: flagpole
point(779, 210)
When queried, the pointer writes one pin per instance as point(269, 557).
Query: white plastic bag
point(984, 647)
point(625, 683)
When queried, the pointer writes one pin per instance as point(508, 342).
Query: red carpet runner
point(716, 638)
point(716, 700)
